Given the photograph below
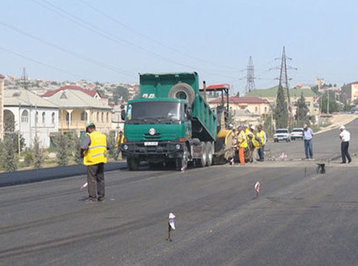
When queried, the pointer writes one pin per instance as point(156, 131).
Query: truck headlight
point(178, 146)
point(125, 147)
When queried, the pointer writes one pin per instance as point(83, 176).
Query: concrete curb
point(43, 174)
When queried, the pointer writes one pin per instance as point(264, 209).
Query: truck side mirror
point(189, 113)
point(123, 114)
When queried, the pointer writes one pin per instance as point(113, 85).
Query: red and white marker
point(257, 188)
point(84, 185)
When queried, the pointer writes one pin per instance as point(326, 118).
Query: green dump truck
point(171, 122)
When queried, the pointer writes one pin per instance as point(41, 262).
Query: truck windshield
point(157, 110)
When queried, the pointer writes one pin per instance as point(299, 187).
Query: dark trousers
point(95, 178)
point(308, 148)
point(261, 153)
point(344, 151)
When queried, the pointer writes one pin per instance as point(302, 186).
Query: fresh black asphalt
point(300, 217)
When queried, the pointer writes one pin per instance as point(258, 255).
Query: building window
point(84, 116)
point(102, 118)
point(25, 116)
point(265, 109)
point(43, 117)
point(97, 116)
point(53, 118)
point(37, 117)
point(107, 117)
point(67, 116)
point(256, 109)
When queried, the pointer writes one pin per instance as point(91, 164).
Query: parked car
point(297, 133)
point(282, 134)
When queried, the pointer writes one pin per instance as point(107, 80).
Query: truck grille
point(156, 136)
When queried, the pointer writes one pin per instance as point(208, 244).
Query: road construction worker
point(242, 144)
point(253, 142)
point(119, 141)
point(262, 135)
point(94, 150)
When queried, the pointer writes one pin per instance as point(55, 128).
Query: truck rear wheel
point(132, 164)
point(209, 154)
point(182, 91)
point(203, 160)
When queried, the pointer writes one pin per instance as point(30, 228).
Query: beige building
point(76, 108)
point(1, 106)
point(254, 105)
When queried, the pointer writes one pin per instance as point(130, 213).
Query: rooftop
point(91, 93)
point(25, 98)
point(76, 99)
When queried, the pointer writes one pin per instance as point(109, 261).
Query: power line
point(67, 51)
point(115, 20)
point(84, 24)
point(41, 63)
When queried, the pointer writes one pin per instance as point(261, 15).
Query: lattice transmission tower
point(250, 76)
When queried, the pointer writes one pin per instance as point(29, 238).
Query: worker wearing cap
point(345, 137)
point(262, 135)
point(253, 142)
point(242, 144)
point(119, 141)
point(93, 151)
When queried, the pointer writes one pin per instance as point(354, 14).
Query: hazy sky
point(109, 40)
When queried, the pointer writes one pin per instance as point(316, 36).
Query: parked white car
point(282, 134)
point(297, 133)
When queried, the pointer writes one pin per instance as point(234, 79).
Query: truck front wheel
point(132, 164)
point(182, 163)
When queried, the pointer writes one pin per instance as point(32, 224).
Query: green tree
point(61, 143)
point(9, 162)
point(268, 126)
point(333, 106)
point(77, 150)
point(37, 153)
point(315, 89)
point(347, 107)
point(302, 110)
point(281, 112)
point(111, 139)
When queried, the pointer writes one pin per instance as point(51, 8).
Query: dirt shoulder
point(337, 121)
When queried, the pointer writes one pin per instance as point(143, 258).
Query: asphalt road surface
point(300, 217)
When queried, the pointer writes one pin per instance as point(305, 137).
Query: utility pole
point(327, 101)
point(250, 76)
point(24, 82)
point(283, 80)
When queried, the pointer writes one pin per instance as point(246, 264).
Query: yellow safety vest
point(96, 152)
point(242, 140)
point(255, 142)
point(119, 140)
point(261, 135)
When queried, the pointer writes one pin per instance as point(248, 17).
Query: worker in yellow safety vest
point(242, 144)
point(253, 143)
point(93, 150)
point(262, 135)
point(119, 141)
